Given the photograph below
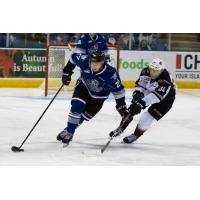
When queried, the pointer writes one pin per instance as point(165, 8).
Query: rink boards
point(183, 66)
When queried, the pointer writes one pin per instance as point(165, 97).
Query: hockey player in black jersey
point(154, 88)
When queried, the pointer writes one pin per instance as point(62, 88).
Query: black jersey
point(162, 88)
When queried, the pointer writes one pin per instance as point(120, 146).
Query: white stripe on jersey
point(151, 99)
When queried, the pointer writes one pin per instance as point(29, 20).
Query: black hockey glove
point(136, 106)
point(66, 78)
point(122, 110)
point(67, 73)
point(137, 95)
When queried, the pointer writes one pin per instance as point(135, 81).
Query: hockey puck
point(16, 149)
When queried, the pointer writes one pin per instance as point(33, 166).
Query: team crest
point(94, 85)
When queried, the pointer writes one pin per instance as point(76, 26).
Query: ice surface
point(175, 140)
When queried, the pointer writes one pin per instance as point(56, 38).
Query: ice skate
point(65, 137)
point(130, 139)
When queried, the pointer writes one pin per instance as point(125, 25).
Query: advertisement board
point(30, 64)
point(184, 66)
point(22, 63)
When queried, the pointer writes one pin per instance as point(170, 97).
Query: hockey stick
point(106, 145)
point(124, 123)
point(18, 149)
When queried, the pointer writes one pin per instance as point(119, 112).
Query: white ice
point(174, 140)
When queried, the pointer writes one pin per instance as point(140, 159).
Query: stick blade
point(16, 149)
point(102, 150)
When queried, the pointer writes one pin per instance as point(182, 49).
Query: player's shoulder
point(110, 71)
point(164, 78)
point(165, 75)
point(84, 38)
point(110, 68)
point(84, 57)
point(84, 35)
point(80, 58)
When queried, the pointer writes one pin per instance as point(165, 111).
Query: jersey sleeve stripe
point(157, 95)
point(71, 60)
point(137, 85)
point(119, 94)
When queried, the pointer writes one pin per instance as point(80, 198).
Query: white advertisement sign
point(184, 66)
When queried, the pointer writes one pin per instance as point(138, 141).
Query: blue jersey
point(99, 85)
point(88, 45)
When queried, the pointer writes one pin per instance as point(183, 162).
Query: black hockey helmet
point(97, 56)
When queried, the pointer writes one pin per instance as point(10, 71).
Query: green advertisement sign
point(22, 63)
point(140, 64)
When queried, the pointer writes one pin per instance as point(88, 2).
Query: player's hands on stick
point(66, 78)
point(136, 106)
point(137, 95)
point(123, 124)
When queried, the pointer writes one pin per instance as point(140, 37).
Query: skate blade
point(65, 145)
point(122, 142)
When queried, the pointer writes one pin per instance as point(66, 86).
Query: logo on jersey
point(93, 85)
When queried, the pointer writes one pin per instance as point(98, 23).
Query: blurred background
point(23, 56)
point(126, 41)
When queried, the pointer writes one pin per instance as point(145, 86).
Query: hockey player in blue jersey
point(89, 43)
point(98, 79)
